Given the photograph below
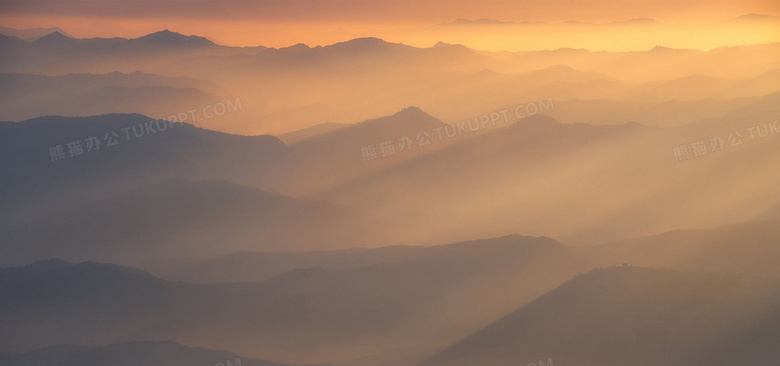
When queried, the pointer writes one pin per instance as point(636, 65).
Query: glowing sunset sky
point(279, 23)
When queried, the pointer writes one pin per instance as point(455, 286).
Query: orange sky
point(278, 23)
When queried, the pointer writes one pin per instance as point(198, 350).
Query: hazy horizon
point(492, 25)
point(395, 183)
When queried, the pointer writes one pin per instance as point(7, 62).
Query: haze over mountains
point(478, 281)
point(309, 313)
point(450, 81)
point(640, 32)
point(436, 178)
point(581, 321)
point(169, 200)
point(28, 96)
point(241, 218)
point(141, 152)
point(30, 34)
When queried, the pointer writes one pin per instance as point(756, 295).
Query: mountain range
point(621, 316)
point(450, 81)
point(347, 305)
point(169, 200)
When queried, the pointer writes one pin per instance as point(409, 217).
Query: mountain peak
point(538, 120)
point(53, 37)
point(297, 47)
point(366, 43)
point(559, 68)
point(755, 17)
point(638, 21)
point(660, 49)
point(450, 46)
point(412, 111)
point(169, 38)
point(409, 117)
point(10, 39)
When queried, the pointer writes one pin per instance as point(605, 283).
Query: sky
point(279, 23)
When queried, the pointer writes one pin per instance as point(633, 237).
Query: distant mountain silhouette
point(436, 78)
point(53, 38)
point(103, 55)
point(748, 249)
point(30, 96)
point(367, 44)
point(475, 162)
point(168, 38)
point(365, 54)
point(130, 240)
point(762, 85)
point(256, 266)
point(30, 34)
point(246, 266)
point(743, 249)
point(310, 132)
point(11, 276)
point(755, 18)
point(642, 21)
point(658, 63)
point(163, 151)
point(307, 315)
point(347, 304)
point(337, 156)
point(693, 87)
point(184, 218)
point(10, 41)
point(635, 316)
point(522, 165)
point(488, 90)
